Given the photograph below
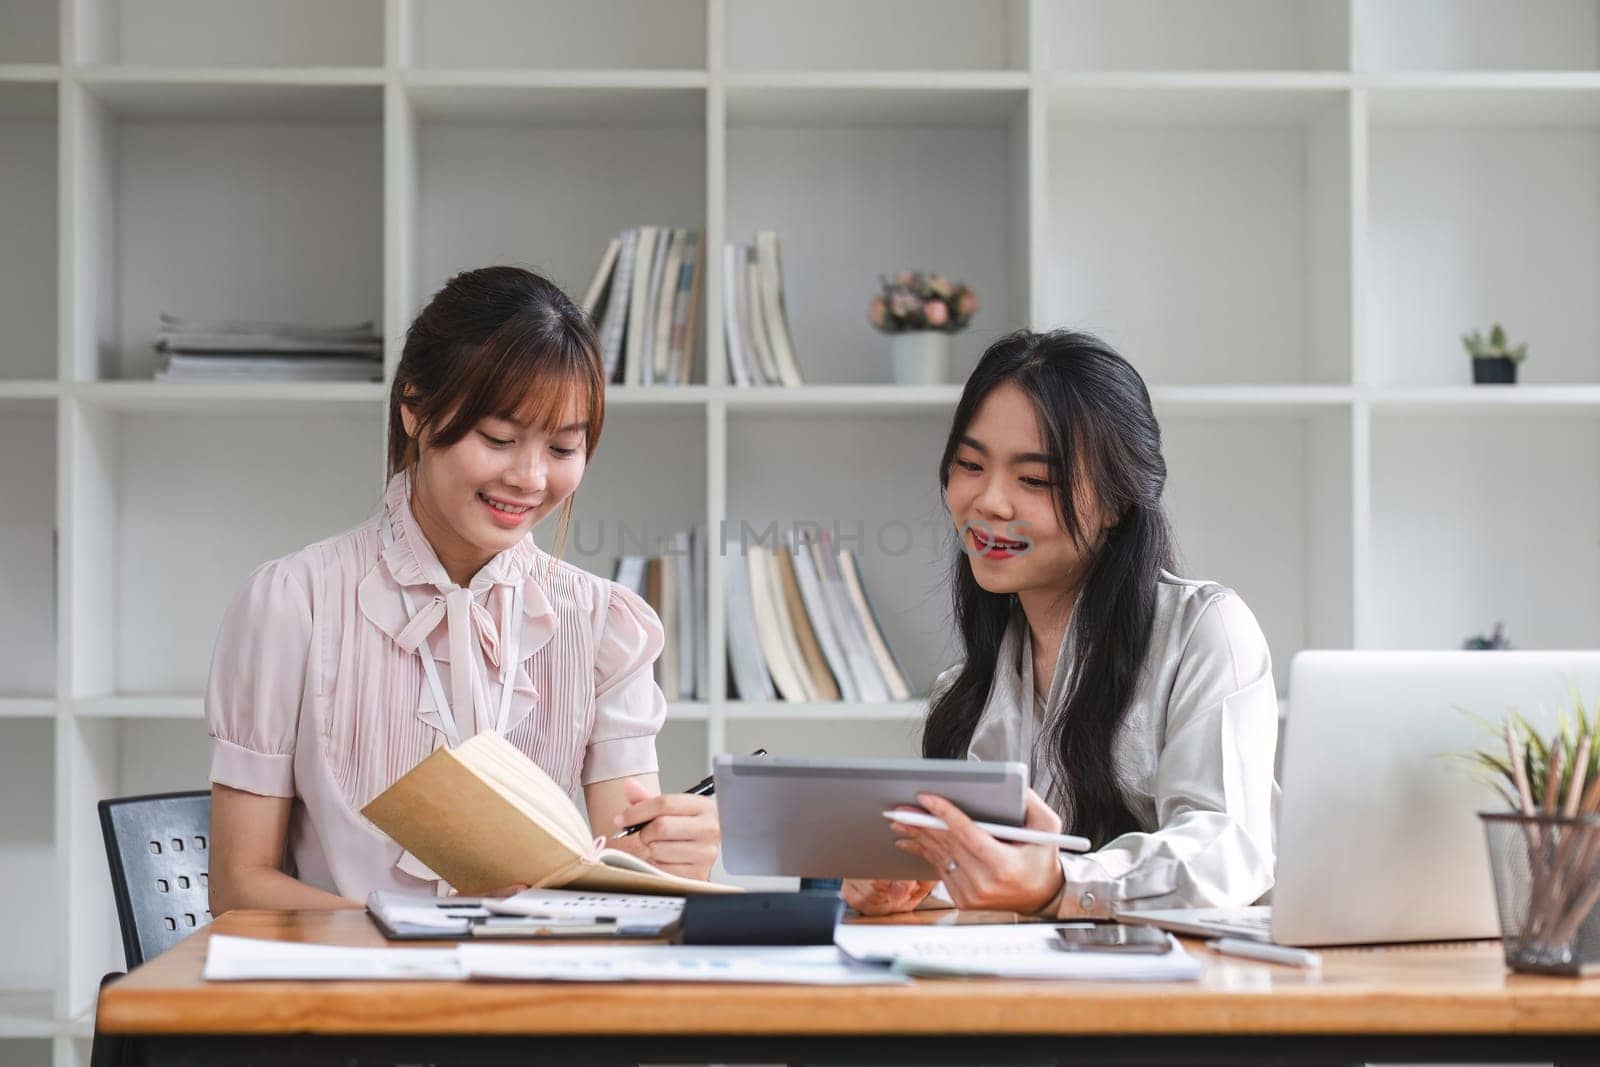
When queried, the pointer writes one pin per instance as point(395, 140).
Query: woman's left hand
point(981, 871)
point(683, 833)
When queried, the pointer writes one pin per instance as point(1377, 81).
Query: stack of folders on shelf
point(755, 321)
point(270, 351)
point(799, 621)
point(644, 300)
point(674, 584)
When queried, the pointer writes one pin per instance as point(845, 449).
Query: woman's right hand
point(876, 896)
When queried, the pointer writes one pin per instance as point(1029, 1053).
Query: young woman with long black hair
point(1143, 703)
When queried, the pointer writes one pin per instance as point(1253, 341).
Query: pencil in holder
point(1547, 887)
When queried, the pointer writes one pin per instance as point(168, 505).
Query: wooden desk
point(1454, 1002)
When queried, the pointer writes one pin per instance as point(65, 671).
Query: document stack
point(755, 321)
point(800, 623)
point(674, 584)
point(644, 300)
point(268, 351)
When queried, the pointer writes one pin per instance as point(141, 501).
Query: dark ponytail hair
point(497, 341)
point(1097, 424)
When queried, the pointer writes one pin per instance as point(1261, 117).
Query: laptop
point(1378, 831)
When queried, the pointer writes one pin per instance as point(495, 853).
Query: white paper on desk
point(802, 965)
point(625, 909)
point(230, 959)
point(1026, 950)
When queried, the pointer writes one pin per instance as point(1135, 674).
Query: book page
point(622, 872)
point(523, 781)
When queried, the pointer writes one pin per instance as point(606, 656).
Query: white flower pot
point(921, 357)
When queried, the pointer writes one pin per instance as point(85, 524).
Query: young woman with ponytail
point(341, 666)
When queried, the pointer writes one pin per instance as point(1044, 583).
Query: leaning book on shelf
point(826, 626)
point(874, 687)
point(614, 322)
point(687, 623)
point(673, 585)
point(740, 366)
point(686, 317)
point(773, 313)
point(755, 324)
point(894, 675)
point(697, 577)
point(784, 612)
point(785, 674)
point(638, 306)
point(819, 679)
point(667, 610)
point(631, 573)
point(664, 293)
point(594, 296)
point(482, 815)
point(801, 627)
point(751, 680)
point(642, 299)
point(757, 339)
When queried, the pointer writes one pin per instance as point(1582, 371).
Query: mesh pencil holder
point(1547, 885)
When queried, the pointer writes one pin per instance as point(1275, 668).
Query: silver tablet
point(823, 818)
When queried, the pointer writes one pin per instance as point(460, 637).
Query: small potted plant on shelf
point(1492, 362)
point(919, 312)
point(1497, 641)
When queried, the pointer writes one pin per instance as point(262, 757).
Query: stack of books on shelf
point(674, 584)
point(644, 300)
point(800, 623)
point(268, 351)
point(755, 322)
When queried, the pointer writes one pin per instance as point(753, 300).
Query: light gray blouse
point(1194, 757)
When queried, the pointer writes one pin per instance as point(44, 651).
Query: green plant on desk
point(1526, 768)
point(1552, 786)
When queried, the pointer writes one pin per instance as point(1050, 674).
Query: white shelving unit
point(1284, 211)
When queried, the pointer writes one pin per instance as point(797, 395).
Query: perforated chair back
point(159, 850)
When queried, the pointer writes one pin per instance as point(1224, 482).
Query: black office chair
point(159, 850)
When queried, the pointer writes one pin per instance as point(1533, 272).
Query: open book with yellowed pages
point(482, 815)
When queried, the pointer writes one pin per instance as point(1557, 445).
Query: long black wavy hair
point(1097, 425)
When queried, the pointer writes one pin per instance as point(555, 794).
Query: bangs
point(529, 381)
point(550, 398)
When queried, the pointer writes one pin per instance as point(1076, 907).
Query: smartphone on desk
point(1112, 937)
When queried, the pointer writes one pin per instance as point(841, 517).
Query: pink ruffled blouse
point(317, 690)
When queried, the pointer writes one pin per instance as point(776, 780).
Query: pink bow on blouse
point(467, 621)
point(464, 617)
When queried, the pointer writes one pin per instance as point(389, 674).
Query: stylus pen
point(1066, 842)
point(705, 787)
point(1260, 950)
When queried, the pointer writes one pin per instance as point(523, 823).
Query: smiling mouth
point(504, 507)
point(991, 547)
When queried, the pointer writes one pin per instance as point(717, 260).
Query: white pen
point(1068, 842)
point(1260, 950)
